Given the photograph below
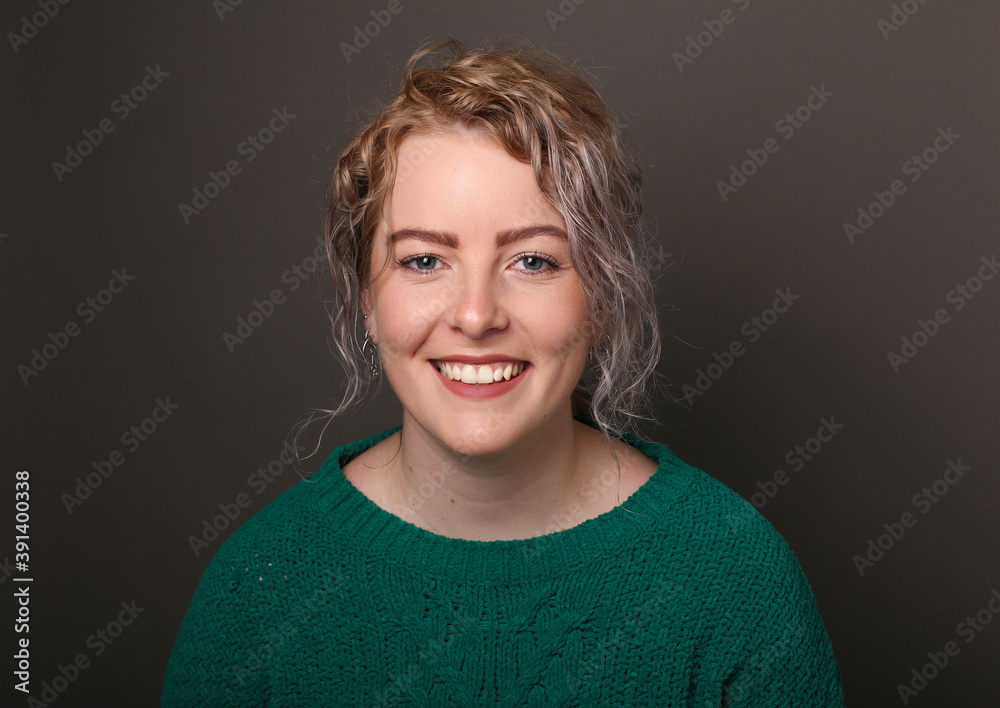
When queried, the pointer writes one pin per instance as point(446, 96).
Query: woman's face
point(478, 287)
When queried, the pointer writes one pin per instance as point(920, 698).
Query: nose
point(477, 307)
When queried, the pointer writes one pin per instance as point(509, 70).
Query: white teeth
point(479, 375)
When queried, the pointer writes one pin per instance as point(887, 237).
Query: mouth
point(480, 374)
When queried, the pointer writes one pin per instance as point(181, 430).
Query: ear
point(595, 335)
point(368, 309)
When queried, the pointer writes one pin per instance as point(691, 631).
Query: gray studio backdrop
point(821, 183)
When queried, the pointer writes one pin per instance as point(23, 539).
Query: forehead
point(462, 174)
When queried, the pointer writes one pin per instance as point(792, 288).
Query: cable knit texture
point(687, 596)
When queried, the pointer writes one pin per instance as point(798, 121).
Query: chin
point(481, 441)
point(473, 446)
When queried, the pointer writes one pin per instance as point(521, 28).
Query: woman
point(511, 543)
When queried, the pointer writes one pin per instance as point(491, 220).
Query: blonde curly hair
point(544, 112)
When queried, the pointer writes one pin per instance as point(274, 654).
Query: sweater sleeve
point(783, 655)
point(220, 649)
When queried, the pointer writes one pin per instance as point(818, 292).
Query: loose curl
point(546, 113)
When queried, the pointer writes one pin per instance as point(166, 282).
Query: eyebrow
point(450, 240)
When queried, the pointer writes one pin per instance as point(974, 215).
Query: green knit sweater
point(689, 598)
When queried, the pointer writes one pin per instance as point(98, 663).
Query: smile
point(480, 374)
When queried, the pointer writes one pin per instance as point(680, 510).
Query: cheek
point(406, 317)
point(575, 344)
point(567, 337)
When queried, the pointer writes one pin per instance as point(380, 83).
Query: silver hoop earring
point(370, 350)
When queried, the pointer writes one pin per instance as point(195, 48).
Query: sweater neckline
point(392, 539)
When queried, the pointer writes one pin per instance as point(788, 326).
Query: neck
point(519, 493)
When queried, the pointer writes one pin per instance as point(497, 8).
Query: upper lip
point(479, 358)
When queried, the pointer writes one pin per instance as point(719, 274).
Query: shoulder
point(276, 567)
point(695, 515)
point(299, 520)
point(711, 520)
point(731, 563)
point(737, 560)
point(299, 528)
point(746, 569)
point(256, 555)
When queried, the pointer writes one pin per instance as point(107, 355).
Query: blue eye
point(536, 263)
point(425, 263)
point(532, 263)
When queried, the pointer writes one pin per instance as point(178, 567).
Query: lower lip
point(481, 390)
